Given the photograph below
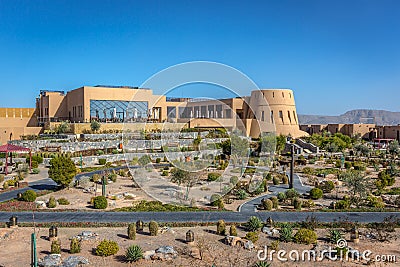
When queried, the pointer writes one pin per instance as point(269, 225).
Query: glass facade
point(118, 110)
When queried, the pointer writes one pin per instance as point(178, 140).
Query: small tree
point(267, 204)
point(153, 228)
point(275, 202)
point(95, 126)
point(221, 227)
point(100, 202)
point(107, 248)
point(62, 171)
point(63, 127)
point(75, 246)
point(132, 231)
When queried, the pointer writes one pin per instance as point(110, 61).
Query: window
point(171, 112)
point(290, 119)
point(124, 110)
point(272, 116)
point(281, 115)
point(262, 115)
point(273, 94)
point(283, 95)
point(294, 116)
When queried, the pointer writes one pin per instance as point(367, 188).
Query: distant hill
point(379, 117)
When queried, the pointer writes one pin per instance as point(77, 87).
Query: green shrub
point(29, 196)
point(55, 247)
point(36, 171)
point(221, 227)
point(107, 248)
point(305, 236)
point(291, 193)
point(241, 194)
point(342, 204)
point(153, 228)
point(297, 203)
point(347, 164)
point(52, 203)
point(132, 231)
point(214, 199)
point(100, 202)
point(102, 161)
point(267, 204)
point(122, 173)
point(36, 158)
point(253, 224)
point(326, 186)
point(335, 236)
point(75, 246)
point(133, 253)
point(158, 160)
point(165, 173)
point(112, 177)
point(232, 230)
point(1, 177)
point(34, 164)
point(309, 171)
point(308, 203)
point(5, 185)
point(281, 196)
point(213, 176)
point(95, 177)
point(276, 180)
point(63, 201)
point(316, 193)
point(359, 166)
point(267, 176)
point(262, 264)
point(252, 236)
point(286, 233)
point(275, 202)
point(285, 179)
point(234, 180)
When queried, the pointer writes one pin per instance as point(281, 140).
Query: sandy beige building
point(266, 110)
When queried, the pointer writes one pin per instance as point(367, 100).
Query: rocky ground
point(15, 248)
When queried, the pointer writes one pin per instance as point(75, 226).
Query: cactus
point(134, 253)
point(221, 227)
point(75, 246)
point(132, 231)
point(233, 231)
point(153, 228)
point(55, 247)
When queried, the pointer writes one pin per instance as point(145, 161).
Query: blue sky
point(335, 55)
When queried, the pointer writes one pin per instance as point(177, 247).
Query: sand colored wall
point(18, 122)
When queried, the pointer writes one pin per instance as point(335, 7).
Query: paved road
point(363, 217)
point(251, 205)
point(43, 184)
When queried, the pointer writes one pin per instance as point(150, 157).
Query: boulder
point(52, 260)
point(74, 261)
point(148, 254)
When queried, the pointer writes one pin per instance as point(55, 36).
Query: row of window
point(209, 111)
point(281, 116)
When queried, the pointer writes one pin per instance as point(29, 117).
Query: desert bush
point(285, 179)
point(214, 199)
point(253, 224)
point(308, 203)
point(234, 180)
point(297, 203)
point(309, 171)
point(334, 236)
point(276, 180)
point(213, 176)
point(29, 196)
point(316, 193)
point(275, 202)
point(326, 186)
point(267, 204)
point(291, 193)
point(286, 233)
point(75, 246)
point(305, 236)
point(232, 230)
point(164, 173)
point(52, 203)
point(153, 228)
point(96, 177)
point(281, 196)
point(55, 247)
point(107, 248)
point(241, 194)
point(5, 185)
point(221, 227)
point(342, 204)
point(35, 171)
point(102, 161)
point(63, 201)
point(100, 202)
point(112, 177)
point(132, 231)
point(252, 236)
point(133, 253)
